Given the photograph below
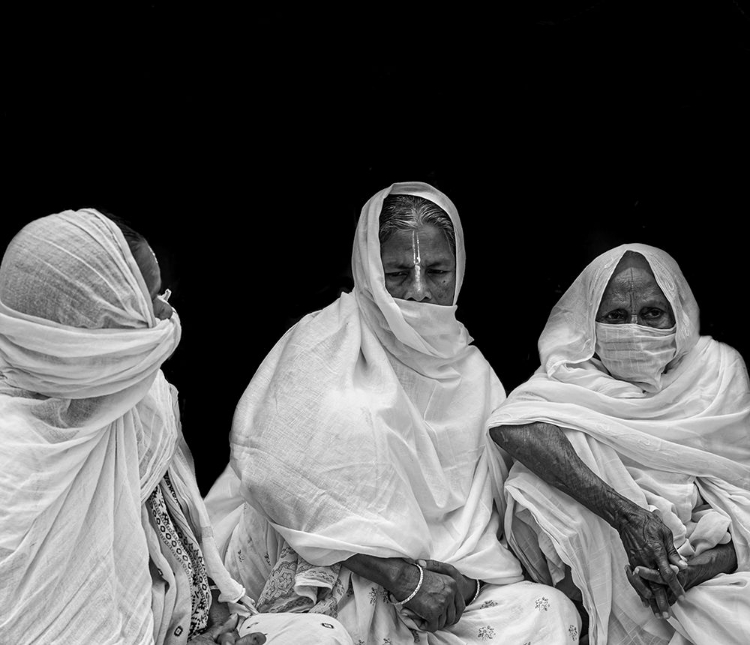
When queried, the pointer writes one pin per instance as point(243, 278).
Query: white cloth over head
point(361, 430)
point(683, 449)
point(362, 433)
point(89, 427)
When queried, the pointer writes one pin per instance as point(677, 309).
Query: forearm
point(709, 564)
point(393, 574)
point(545, 450)
point(218, 612)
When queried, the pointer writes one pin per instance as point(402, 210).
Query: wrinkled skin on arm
point(545, 450)
point(441, 599)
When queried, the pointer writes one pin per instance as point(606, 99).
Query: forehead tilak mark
point(416, 257)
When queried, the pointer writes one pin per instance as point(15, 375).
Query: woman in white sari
point(631, 486)
point(359, 480)
point(105, 539)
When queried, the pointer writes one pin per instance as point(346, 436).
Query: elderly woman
point(633, 459)
point(105, 538)
point(359, 482)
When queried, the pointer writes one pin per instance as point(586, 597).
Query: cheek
point(396, 288)
point(443, 290)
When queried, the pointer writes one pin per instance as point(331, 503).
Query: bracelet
point(416, 589)
point(479, 588)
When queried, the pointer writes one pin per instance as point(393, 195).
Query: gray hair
point(405, 212)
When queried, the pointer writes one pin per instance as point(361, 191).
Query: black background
point(242, 142)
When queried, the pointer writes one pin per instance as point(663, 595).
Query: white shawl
point(362, 430)
point(89, 426)
point(658, 449)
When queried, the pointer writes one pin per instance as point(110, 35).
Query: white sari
point(89, 428)
point(684, 450)
point(362, 433)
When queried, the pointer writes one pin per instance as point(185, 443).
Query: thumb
point(675, 559)
point(227, 626)
point(437, 567)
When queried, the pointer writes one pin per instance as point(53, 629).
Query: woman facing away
point(359, 482)
point(105, 538)
point(632, 479)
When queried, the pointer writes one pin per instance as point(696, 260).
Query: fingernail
point(665, 615)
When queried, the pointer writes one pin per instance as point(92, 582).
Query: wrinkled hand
point(440, 602)
point(648, 544)
point(226, 634)
point(645, 580)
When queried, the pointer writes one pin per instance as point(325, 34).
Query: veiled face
point(633, 296)
point(146, 261)
point(419, 265)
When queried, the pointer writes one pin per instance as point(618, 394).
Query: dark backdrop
point(243, 143)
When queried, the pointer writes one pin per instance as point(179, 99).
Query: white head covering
point(361, 432)
point(424, 335)
point(690, 434)
point(89, 427)
point(569, 336)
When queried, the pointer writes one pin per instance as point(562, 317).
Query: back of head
point(74, 268)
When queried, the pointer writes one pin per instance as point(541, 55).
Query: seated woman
point(633, 458)
point(105, 538)
point(359, 483)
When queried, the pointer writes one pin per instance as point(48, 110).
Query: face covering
point(635, 353)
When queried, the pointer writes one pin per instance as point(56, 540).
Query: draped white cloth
point(683, 449)
point(362, 433)
point(89, 427)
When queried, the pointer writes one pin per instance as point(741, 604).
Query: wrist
point(472, 590)
point(406, 590)
point(620, 511)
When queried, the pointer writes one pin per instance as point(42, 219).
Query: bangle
point(416, 589)
point(479, 588)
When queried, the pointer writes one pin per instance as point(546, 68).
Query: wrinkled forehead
point(632, 275)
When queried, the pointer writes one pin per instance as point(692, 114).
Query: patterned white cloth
point(362, 433)
point(89, 428)
point(683, 449)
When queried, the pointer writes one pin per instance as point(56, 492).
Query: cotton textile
point(89, 427)
point(362, 432)
point(683, 450)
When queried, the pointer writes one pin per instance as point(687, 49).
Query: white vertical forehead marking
point(417, 256)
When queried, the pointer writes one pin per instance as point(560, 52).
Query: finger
point(652, 575)
point(662, 604)
point(227, 626)
point(438, 567)
point(450, 614)
point(256, 638)
point(675, 559)
point(670, 579)
point(639, 585)
point(228, 638)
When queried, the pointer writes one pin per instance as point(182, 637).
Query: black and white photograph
point(375, 324)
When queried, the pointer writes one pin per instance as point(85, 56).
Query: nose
point(418, 289)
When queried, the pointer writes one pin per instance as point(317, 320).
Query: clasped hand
point(440, 601)
point(226, 634)
point(655, 565)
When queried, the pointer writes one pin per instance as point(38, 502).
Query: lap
point(297, 629)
